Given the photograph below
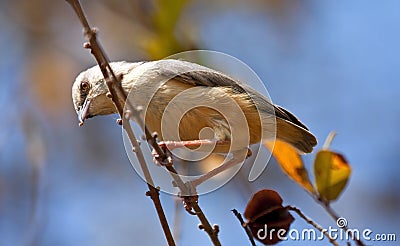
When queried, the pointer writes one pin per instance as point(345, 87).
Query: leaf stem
point(336, 217)
point(245, 227)
point(329, 140)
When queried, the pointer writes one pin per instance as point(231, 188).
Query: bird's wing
point(289, 127)
point(197, 75)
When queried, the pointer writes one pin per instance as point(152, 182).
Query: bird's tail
point(297, 136)
point(293, 131)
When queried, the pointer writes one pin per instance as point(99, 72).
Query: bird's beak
point(83, 113)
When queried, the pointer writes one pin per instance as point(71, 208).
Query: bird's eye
point(85, 86)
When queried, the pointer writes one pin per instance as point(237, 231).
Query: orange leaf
point(290, 162)
point(332, 172)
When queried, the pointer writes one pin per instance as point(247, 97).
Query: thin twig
point(206, 226)
point(119, 98)
point(245, 227)
point(313, 223)
point(326, 205)
point(192, 202)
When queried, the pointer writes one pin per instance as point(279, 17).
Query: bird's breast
point(181, 112)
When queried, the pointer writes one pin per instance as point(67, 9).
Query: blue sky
point(334, 64)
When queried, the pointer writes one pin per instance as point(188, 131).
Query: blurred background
point(335, 64)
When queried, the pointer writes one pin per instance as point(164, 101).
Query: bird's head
point(89, 90)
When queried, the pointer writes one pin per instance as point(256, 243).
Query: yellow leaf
point(331, 174)
point(290, 162)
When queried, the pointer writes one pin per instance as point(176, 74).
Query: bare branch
point(314, 224)
point(118, 97)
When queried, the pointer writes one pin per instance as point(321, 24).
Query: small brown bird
point(194, 98)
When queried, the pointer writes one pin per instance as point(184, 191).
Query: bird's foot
point(165, 160)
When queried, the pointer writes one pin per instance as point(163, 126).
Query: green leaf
point(332, 172)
